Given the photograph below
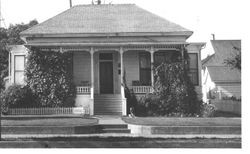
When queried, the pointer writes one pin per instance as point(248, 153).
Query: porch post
point(152, 66)
point(182, 55)
point(122, 73)
point(92, 72)
point(92, 82)
point(124, 101)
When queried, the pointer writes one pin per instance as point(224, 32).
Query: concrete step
point(107, 126)
point(115, 130)
point(94, 129)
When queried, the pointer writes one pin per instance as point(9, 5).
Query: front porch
point(99, 73)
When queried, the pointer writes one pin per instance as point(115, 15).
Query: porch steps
point(108, 104)
point(114, 128)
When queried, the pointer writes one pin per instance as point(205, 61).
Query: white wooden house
point(219, 80)
point(107, 43)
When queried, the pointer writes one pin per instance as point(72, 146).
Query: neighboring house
point(219, 80)
point(108, 42)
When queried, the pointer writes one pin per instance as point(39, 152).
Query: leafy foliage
point(208, 110)
point(10, 36)
point(174, 93)
point(17, 96)
point(49, 77)
point(235, 61)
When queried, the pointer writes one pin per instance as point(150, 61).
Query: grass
point(49, 122)
point(165, 121)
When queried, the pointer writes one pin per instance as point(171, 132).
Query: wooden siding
point(81, 67)
point(230, 89)
point(131, 65)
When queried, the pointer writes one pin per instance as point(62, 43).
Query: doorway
point(106, 73)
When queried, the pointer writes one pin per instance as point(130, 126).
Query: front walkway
point(109, 119)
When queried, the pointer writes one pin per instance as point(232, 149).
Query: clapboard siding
point(81, 67)
point(230, 89)
point(131, 65)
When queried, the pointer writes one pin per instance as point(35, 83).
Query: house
point(107, 43)
point(219, 80)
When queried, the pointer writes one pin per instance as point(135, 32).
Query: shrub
point(49, 75)
point(208, 110)
point(17, 96)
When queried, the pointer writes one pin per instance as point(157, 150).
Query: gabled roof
point(206, 61)
point(223, 49)
point(224, 74)
point(109, 18)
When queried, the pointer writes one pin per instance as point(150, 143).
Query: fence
point(48, 111)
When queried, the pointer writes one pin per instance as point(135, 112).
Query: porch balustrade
point(142, 89)
point(83, 90)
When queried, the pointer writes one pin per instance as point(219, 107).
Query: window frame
point(195, 70)
point(18, 71)
point(145, 69)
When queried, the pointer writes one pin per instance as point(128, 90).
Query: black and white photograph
point(158, 74)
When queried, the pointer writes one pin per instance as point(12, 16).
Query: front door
point(106, 73)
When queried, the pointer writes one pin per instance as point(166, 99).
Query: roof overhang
point(107, 44)
point(134, 34)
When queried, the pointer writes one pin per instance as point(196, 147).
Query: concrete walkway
point(109, 120)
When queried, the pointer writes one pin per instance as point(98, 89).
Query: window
point(19, 62)
point(166, 56)
point(193, 68)
point(145, 69)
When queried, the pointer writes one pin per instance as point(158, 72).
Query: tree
point(10, 36)
point(235, 60)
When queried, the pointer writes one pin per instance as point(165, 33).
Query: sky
point(224, 18)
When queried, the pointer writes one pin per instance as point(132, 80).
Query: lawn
point(49, 122)
point(165, 121)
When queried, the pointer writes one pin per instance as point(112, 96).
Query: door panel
point(106, 78)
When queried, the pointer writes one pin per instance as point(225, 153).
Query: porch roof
point(106, 44)
point(105, 19)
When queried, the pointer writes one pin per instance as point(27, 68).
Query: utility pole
point(70, 3)
point(0, 14)
point(0, 101)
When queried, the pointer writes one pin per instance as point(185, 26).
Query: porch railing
point(83, 90)
point(142, 89)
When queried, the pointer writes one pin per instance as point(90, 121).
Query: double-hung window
point(145, 69)
point(19, 65)
point(193, 68)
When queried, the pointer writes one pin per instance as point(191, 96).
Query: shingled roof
point(109, 18)
point(224, 74)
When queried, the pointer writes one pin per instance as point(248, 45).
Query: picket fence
point(48, 111)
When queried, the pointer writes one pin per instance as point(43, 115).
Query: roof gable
point(118, 18)
point(223, 49)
